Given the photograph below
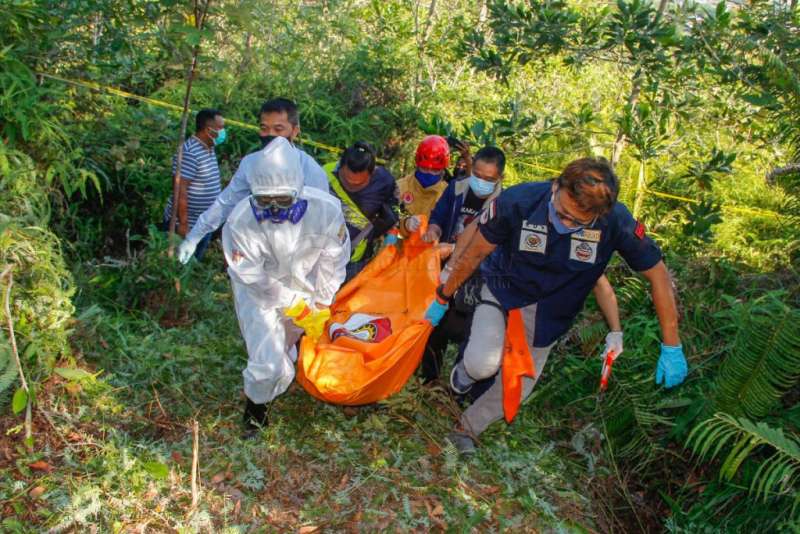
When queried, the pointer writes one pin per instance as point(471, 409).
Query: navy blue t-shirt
point(535, 264)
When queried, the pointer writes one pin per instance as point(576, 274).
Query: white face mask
point(482, 188)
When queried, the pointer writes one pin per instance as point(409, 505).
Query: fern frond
point(764, 360)
point(738, 439)
point(8, 370)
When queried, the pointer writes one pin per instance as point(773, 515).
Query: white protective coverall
point(239, 188)
point(272, 264)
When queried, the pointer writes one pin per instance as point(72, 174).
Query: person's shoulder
point(382, 175)
point(403, 181)
point(526, 194)
point(194, 147)
point(306, 159)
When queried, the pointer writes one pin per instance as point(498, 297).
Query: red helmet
point(433, 153)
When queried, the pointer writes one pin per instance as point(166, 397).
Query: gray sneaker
point(462, 442)
point(460, 381)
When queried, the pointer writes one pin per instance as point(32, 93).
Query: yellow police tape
point(751, 211)
point(160, 103)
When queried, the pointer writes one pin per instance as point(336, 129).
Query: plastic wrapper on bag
point(377, 333)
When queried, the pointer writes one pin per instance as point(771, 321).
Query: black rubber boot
point(255, 418)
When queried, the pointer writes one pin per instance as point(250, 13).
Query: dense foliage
point(697, 105)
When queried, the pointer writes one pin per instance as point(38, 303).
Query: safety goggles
point(566, 216)
point(272, 202)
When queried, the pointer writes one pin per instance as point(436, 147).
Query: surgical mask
point(555, 220)
point(482, 188)
point(427, 179)
point(265, 139)
point(293, 213)
point(221, 136)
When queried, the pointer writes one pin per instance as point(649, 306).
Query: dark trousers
point(454, 327)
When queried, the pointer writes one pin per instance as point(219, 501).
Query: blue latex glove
point(389, 239)
point(435, 312)
point(672, 367)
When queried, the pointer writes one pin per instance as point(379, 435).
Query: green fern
point(8, 370)
point(764, 360)
point(777, 475)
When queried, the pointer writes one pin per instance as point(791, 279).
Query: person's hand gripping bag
point(376, 335)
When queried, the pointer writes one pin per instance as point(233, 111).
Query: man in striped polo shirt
point(200, 181)
point(278, 117)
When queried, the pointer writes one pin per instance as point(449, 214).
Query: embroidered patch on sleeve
point(237, 256)
point(640, 230)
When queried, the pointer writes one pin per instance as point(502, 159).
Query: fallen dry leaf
point(36, 492)
point(41, 465)
point(176, 457)
point(219, 477)
point(308, 529)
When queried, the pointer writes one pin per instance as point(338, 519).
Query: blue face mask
point(221, 136)
point(482, 188)
point(555, 220)
point(427, 179)
point(293, 213)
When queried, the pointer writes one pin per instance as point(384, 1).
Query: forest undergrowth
point(122, 349)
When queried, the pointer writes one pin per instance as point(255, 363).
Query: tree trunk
point(641, 188)
point(199, 21)
point(782, 171)
point(633, 97)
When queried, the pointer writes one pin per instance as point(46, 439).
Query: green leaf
point(74, 374)
point(157, 469)
point(19, 401)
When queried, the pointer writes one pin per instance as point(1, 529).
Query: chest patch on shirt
point(589, 235)
point(541, 228)
point(530, 241)
point(583, 251)
point(407, 197)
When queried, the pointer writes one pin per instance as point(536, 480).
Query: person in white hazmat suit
point(287, 247)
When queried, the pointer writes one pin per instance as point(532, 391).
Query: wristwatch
point(440, 296)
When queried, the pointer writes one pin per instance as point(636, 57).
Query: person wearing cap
point(541, 248)
point(286, 246)
point(367, 193)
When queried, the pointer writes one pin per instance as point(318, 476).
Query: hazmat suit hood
point(277, 170)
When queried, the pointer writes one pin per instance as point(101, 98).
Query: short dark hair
point(359, 157)
point(205, 116)
point(492, 154)
point(592, 183)
point(282, 105)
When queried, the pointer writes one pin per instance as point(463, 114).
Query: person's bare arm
point(467, 261)
point(607, 301)
point(664, 302)
point(461, 243)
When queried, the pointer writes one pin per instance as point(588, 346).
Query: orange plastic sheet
point(377, 333)
point(517, 363)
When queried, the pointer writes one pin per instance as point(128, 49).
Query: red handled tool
point(606, 372)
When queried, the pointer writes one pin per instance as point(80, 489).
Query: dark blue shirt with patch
point(535, 264)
